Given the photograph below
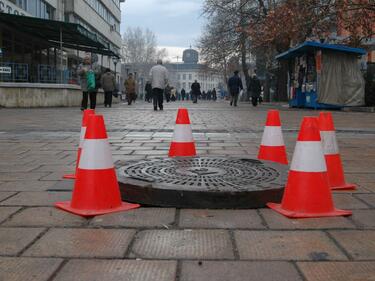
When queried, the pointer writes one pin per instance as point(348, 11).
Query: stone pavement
point(39, 242)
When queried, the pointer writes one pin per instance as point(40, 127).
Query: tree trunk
point(245, 68)
point(282, 81)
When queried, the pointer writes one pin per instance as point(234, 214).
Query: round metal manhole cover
point(202, 182)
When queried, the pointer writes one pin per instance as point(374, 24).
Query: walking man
point(130, 87)
point(195, 91)
point(234, 87)
point(159, 79)
point(109, 85)
point(183, 93)
point(255, 88)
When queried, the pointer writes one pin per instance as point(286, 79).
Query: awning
point(73, 35)
point(308, 47)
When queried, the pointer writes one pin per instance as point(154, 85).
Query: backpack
point(90, 77)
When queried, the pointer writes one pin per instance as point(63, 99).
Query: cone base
point(273, 153)
point(290, 214)
point(184, 149)
point(66, 206)
point(345, 186)
point(70, 177)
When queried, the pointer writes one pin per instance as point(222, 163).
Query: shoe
point(161, 108)
point(231, 103)
point(155, 108)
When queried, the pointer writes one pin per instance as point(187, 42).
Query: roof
point(74, 36)
point(307, 47)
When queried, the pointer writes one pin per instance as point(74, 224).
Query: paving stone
point(142, 217)
point(359, 244)
point(116, 270)
point(183, 244)
point(368, 198)
point(37, 198)
point(238, 271)
point(26, 185)
point(276, 221)
point(347, 202)
point(338, 271)
point(364, 218)
point(14, 240)
point(45, 216)
point(55, 168)
point(5, 195)
point(6, 212)
point(195, 218)
point(286, 245)
point(30, 269)
point(102, 243)
point(62, 185)
point(7, 167)
point(17, 176)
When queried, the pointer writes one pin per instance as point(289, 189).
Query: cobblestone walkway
point(39, 242)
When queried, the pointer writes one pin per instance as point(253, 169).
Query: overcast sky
point(176, 23)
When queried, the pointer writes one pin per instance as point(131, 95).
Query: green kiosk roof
point(74, 36)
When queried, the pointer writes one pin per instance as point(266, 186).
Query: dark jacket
point(255, 87)
point(195, 89)
point(148, 88)
point(235, 84)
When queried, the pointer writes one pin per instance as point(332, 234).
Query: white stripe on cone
point(96, 155)
point(182, 133)
point(329, 142)
point(308, 157)
point(272, 136)
point(82, 136)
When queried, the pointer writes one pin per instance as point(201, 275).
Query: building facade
point(182, 75)
point(39, 60)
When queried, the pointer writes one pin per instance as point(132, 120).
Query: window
point(184, 76)
point(184, 85)
point(178, 76)
point(190, 77)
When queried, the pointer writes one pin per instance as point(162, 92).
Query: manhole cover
point(202, 182)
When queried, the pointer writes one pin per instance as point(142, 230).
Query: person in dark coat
point(183, 94)
point(234, 87)
point(148, 90)
point(108, 83)
point(214, 96)
point(195, 91)
point(167, 93)
point(255, 89)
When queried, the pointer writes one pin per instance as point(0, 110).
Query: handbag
point(90, 77)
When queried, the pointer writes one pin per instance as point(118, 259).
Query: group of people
point(92, 79)
point(156, 88)
point(235, 87)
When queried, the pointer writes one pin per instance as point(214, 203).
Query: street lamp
point(115, 61)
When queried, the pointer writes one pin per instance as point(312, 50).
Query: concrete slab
point(183, 244)
point(286, 245)
point(83, 243)
point(14, 240)
point(6, 212)
point(37, 198)
point(115, 270)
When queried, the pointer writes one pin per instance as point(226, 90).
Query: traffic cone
point(96, 190)
point(307, 193)
point(336, 178)
point(85, 117)
point(272, 147)
point(182, 143)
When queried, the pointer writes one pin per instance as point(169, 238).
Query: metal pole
point(61, 55)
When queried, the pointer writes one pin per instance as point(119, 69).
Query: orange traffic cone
point(96, 190)
point(85, 118)
point(272, 147)
point(336, 178)
point(307, 193)
point(183, 142)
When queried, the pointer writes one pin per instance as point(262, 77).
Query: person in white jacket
point(159, 80)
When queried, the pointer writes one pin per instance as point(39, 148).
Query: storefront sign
point(318, 61)
point(5, 69)
point(9, 8)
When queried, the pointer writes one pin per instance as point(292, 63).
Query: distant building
point(182, 75)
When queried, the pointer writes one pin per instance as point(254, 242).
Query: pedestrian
point(234, 87)
point(88, 73)
point(167, 93)
point(108, 82)
point(183, 94)
point(159, 79)
point(195, 91)
point(255, 89)
point(130, 88)
point(173, 94)
point(148, 90)
point(214, 96)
